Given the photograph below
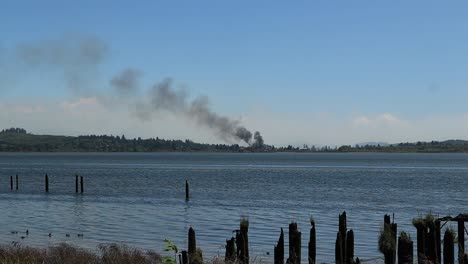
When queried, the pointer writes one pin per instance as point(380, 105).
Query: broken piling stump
point(279, 249)
point(230, 256)
point(312, 243)
point(405, 249)
point(350, 247)
point(449, 248)
point(242, 242)
point(294, 244)
point(194, 254)
point(184, 257)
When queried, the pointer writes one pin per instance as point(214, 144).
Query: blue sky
point(346, 59)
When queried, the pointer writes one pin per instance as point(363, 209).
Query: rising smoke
point(76, 57)
point(79, 59)
point(163, 97)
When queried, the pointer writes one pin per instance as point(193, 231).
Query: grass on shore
point(64, 253)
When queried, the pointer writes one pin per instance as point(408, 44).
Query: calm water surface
point(138, 199)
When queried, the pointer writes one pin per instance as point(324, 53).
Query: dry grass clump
point(63, 253)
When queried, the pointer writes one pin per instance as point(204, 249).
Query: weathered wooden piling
point(340, 245)
point(76, 183)
point(338, 249)
point(421, 240)
point(184, 257)
point(11, 183)
point(350, 247)
point(438, 241)
point(405, 249)
point(194, 254)
point(294, 244)
point(46, 183)
point(312, 243)
point(387, 241)
point(461, 240)
point(192, 242)
point(81, 184)
point(449, 248)
point(187, 191)
point(17, 182)
point(230, 256)
point(279, 249)
point(242, 242)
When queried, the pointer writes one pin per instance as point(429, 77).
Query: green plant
point(170, 247)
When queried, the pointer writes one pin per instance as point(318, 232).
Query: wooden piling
point(312, 243)
point(340, 245)
point(449, 253)
point(405, 249)
point(279, 249)
point(421, 243)
point(438, 242)
point(17, 181)
point(11, 183)
point(46, 183)
point(76, 183)
point(338, 249)
point(82, 184)
point(388, 240)
point(230, 256)
point(184, 257)
point(242, 240)
point(294, 244)
point(350, 247)
point(461, 240)
point(194, 254)
point(192, 242)
point(187, 191)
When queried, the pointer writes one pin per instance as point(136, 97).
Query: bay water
point(139, 198)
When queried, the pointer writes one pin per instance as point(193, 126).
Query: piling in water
point(461, 241)
point(340, 244)
point(11, 183)
point(76, 183)
point(294, 244)
point(405, 249)
point(312, 243)
point(17, 182)
point(338, 249)
point(350, 247)
point(230, 256)
point(449, 241)
point(46, 183)
point(184, 257)
point(81, 184)
point(387, 241)
point(438, 242)
point(279, 249)
point(194, 254)
point(242, 242)
point(187, 191)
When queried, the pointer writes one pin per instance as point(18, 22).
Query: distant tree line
point(18, 140)
point(13, 130)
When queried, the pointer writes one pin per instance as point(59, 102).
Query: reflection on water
point(138, 199)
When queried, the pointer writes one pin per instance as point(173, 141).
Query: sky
point(300, 72)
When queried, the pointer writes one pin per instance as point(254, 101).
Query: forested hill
point(18, 140)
